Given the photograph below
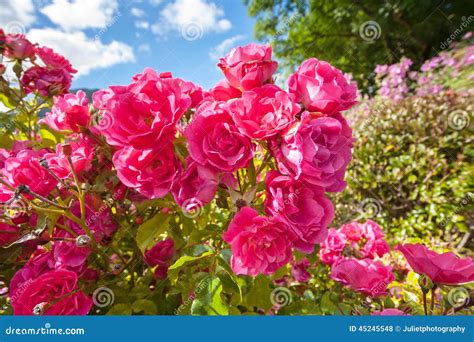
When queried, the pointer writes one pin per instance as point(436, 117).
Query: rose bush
point(159, 197)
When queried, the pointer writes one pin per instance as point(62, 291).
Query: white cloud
point(85, 54)
point(136, 12)
point(81, 14)
point(155, 3)
point(144, 48)
point(224, 48)
point(142, 24)
point(201, 15)
point(15, 15)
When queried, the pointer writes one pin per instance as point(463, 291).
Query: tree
point(357, 35)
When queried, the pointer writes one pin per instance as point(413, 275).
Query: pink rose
point(249, 66)
point(332, 248)
point(372, 231)
point(322, 87)
point(375, 248)
point(69, 112)
point(160, 256)
point(53, 293)
point(194, 187)
point(24, 169)
point(317, 151)
point(143, 114)
point(52, 79)
point(299, 270)
point(264, 112)
point(366, 276)
point(352, 230)
point(259, 244)
point(215, 141)
point(446, 268)
point(8, 234)
point(223, 91)
point(81, 157)
point(389, 312)
point(150, 172)
point(303, 206)
point(18, 47)
point(54, 60)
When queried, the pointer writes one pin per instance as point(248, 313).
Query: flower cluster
point(352, 252)
point(50, 73)
point(397, 81)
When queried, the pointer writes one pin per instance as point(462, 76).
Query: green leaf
point(174, 269)
point(260, 293)
point(8, 101)
point(149, 232)
point(208, 299)
point(144, 306)
point(120, 310)
point(236, 282)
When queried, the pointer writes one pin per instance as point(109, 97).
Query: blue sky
point(109, 41)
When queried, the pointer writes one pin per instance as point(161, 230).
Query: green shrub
point(412, 167)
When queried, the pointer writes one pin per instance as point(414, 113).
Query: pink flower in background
point(249, 66)
point(81, 156)
point(366, 276)
point(70, 112)
point(352, 231)
point(299, 270)
point(18, 47)
point(445, 268)
point(52, 79)
point(161, 256)
point(194, 187)
point(322, 87)
point(302, 205)
point(375, 248)
point(215, 141)
point(24, 169)
point(317, 151)
point(264, 112)
point(260, 245)
point(8, 233)
point(150, 172)
point(332, 248)
point(54, 60)
point(53, 293)
point(389, 312)
point(223, 91)
point(143, 114)
point(362, 240)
